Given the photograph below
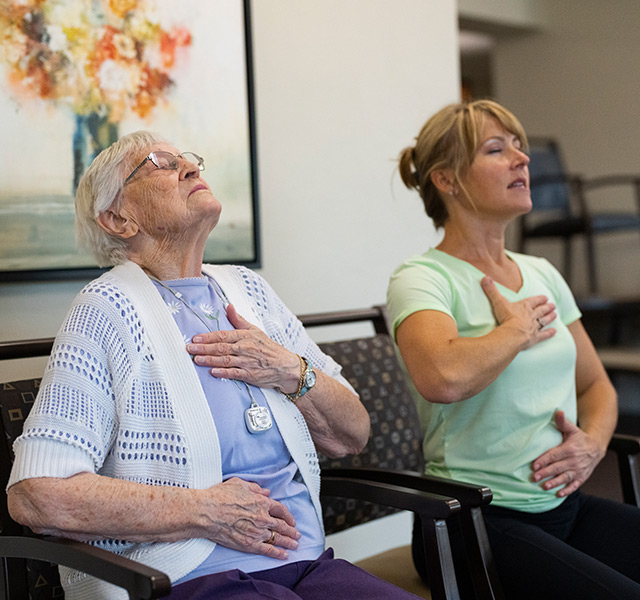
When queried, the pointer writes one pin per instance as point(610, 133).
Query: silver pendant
point(257, 418)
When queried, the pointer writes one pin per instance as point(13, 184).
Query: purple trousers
point(321, 579)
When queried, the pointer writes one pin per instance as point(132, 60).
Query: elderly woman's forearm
point(91, 507)
point(338, 421)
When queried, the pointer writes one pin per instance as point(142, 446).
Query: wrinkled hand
point(571, 463)
point(246, 353)
point(529, 316)
point(240, 515)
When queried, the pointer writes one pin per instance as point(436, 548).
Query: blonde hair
point(100, 188)
point(450, 140)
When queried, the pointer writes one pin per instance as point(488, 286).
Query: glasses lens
point(194, 158)
point(164, 160)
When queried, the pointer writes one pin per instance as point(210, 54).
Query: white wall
point(341, 87)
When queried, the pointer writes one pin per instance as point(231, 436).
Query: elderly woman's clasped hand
point(239, 514)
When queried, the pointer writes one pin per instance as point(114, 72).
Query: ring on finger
point(540, 323)
point(272, 539)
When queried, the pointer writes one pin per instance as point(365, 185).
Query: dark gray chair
point(28, 562)
point(561, 211)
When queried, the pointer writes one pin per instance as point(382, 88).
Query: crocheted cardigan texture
point(120, 397)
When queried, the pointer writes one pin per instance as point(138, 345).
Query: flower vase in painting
point(93, 133)
point(103, 59)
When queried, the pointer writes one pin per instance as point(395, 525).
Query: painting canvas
point(78, 74)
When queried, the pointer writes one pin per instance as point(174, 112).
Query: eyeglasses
point(167, 161)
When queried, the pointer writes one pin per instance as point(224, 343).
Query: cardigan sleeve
point(72, 424)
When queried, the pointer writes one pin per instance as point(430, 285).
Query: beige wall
point(341, 87)
point(576, 76)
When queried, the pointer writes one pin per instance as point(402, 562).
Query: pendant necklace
point(257, 418)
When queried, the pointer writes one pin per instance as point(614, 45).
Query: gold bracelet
point(303, 368)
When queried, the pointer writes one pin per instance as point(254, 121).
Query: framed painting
point(78, 74)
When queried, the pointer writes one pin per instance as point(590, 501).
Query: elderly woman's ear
point(117, 225)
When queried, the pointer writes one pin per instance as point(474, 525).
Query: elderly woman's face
point(164, 202)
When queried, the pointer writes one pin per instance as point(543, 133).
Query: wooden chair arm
point(627, 449)
point(427, 505)
point(140, 581)
point(611, 180)
point(468, 495)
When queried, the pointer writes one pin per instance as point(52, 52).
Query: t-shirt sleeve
point(414, 287)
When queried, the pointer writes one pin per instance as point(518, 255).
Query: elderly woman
point(180, 411)
point(514, 395)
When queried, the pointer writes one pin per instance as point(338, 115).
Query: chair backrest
point(371, 366)
point(27, 578)
point(550, 186)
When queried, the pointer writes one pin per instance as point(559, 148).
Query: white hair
point(100, 188)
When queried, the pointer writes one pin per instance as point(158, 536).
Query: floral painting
point(77, 74)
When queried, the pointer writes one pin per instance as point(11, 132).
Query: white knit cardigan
point(122, 396)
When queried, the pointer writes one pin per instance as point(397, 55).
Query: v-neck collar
point(509, 254)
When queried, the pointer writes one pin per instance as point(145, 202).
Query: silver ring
point(540, 323)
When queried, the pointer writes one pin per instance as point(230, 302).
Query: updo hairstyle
point(450, 140)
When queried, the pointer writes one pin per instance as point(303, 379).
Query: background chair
point(560, 208)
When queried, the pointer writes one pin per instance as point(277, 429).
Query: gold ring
point(272, 539)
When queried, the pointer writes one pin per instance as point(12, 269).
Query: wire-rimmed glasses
point(162, 159)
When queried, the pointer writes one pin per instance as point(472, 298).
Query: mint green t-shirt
point(492, 438)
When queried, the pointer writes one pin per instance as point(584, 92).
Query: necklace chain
point(257, 417)
point(178, 296)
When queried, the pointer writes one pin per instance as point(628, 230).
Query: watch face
point(310, 379)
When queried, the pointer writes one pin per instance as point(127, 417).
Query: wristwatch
point(308, 377)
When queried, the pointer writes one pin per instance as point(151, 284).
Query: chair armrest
point(627, 448)
point(140, 581)
point(611, 180)
point(625, 444)
point(467, 494)
point(432, 506)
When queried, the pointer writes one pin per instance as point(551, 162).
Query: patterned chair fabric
point(16, 400)
point(371, 366)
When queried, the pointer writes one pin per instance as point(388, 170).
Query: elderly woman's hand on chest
point(246, 354)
